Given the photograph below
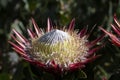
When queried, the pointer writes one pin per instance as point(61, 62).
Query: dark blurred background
point(17, 14)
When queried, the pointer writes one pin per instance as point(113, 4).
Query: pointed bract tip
point(108, 33)
point(83, 32)
point(72, 24)
point(114, 16)
point(116, 21)
point(21, 37)
point(48, 25)
point(32, 19)
point(102, 29)
point(38, 31)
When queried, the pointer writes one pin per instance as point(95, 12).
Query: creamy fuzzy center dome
point(63, 47)
point(54, 37)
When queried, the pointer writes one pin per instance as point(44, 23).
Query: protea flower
point(114, 36)
point(56, 50)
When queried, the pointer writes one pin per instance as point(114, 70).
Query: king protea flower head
point(56, 50)
point(114, 37)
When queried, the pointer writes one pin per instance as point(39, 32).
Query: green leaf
point(4, 76)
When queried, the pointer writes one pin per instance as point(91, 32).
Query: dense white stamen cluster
point(63, 47)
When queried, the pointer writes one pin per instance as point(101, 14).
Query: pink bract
point(114, 36)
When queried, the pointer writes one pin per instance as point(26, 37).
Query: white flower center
point(54, 37)
point(60, 46)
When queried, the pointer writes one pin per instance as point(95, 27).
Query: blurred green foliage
point(17, 14)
